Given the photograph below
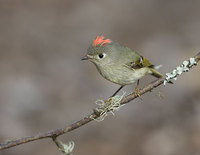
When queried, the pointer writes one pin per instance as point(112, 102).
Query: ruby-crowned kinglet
point(117, 63)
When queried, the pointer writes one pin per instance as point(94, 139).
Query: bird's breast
point(122, 75)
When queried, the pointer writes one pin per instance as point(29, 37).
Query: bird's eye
point(101, 56)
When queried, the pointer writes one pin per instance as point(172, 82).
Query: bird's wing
point(137, 61)
point(130, 58)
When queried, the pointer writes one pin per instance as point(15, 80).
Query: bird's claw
point(137, 92)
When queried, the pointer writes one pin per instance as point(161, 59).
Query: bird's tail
point(157, 74)
point(154, 71)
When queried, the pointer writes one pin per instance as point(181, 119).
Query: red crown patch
point(100, 41)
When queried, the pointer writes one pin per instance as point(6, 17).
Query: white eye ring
point(101, 55)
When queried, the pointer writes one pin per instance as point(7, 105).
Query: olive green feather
point(140, 62)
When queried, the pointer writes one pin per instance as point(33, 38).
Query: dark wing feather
point(140, 62)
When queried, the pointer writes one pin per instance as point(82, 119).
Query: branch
point(55, 133)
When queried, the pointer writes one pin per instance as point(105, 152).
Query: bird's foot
point(137, 92)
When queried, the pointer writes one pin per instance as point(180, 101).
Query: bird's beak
point(85, 57)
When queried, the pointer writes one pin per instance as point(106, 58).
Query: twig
point(66, 149)
point(55, 133)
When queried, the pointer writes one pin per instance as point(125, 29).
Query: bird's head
point(99, 52)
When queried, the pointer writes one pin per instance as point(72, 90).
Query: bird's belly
point(123, 75)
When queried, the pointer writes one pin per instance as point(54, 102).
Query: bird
point(119, 64)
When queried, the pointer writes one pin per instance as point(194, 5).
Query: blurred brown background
point(44, 85)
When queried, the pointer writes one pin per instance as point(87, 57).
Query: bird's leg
point(117, 91)
point(136, 91)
